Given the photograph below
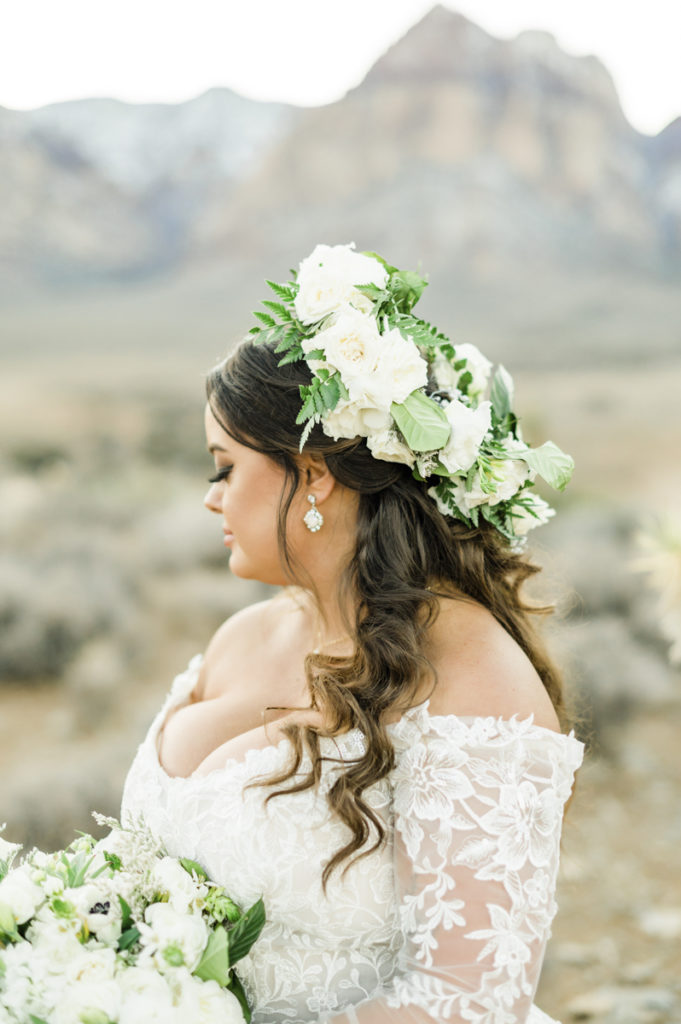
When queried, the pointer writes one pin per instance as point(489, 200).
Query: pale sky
point(307, 52)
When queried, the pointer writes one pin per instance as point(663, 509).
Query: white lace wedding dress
point(448, 922)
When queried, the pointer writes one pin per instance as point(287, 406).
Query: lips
point(229, 536)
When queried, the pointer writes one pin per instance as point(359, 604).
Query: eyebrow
point(216, 448)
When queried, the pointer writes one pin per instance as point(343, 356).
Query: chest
point(195, 729)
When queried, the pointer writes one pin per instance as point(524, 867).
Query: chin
point(246, 569)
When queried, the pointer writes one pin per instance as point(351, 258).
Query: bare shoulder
point(248, 639)
point(482, 670)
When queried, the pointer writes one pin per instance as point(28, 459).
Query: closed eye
point(221, 474)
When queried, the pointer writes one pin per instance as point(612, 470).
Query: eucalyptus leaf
point(214, 962)
point(422, 422)
point(241, 937)
point(501, 393)
point(551, 463)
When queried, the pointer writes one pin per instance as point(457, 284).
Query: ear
point(316, 477)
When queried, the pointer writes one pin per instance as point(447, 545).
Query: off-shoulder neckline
point(487, 727)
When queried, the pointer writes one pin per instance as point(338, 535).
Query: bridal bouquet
point(115, 932)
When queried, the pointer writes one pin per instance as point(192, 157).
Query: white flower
point(387, 446)
point(146, 998)
point(184, 894)
point(352, 345)
point(94, 1002)
point(469, 427)
point(476, 364)
point(204, 1002)
point(523, 520)
point(20, 894)
point(328, 279)
point(166, 932)
point(401, 366)
point(355, 419)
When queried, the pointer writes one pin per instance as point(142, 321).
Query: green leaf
point(192, 867)
point(277, 307)
point(128, 938)
point(244, 933)
point(316, 353)
point(407, 287)
point(237, 989)
point(551, 463)
point(331, 393)
point(501, 394)
point(265, 319)
point(214, 962)
point(306, 411)
point(372, 291)
point(284, 291)
point(36, 1020)
point(294, 355)
point(422, 422)
point(375, 256)
point(126, 912)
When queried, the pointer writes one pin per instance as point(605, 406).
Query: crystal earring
point(313, 518)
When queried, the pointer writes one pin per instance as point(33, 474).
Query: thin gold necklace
point(330, 643)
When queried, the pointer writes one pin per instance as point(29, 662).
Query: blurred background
point(156, 164)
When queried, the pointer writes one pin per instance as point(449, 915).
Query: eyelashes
point(221, 474)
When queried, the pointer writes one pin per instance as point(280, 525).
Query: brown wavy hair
point(404, 547)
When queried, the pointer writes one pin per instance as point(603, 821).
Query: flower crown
point(381, 373)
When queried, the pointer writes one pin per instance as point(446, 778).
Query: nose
point(211, 499)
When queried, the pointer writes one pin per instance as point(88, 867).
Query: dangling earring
point(313, 518)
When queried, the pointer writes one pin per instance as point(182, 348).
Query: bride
point(377, 751)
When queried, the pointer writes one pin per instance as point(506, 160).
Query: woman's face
point(246, 494)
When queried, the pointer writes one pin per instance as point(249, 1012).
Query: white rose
point(466, 500)
point(523, 520)
point(92, 967)
point(88, 1002)
point(476, 364)
point(184, 893)
point(469, 427)
point(146, 998)
point(20, 894)
point(401, 366)
point(328, 279)
point(388, 446)
point(352, 345)
point(511, 473)
point(355, 419)
point(164, 929)
point(204, 1002)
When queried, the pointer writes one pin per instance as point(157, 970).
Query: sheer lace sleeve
point(478, 806)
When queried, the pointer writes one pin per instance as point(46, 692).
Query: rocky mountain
point(99, 187)
point(506, 167)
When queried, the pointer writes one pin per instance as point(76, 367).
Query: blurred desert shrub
point(608, 635)
point(104, 539)
point(54, 602)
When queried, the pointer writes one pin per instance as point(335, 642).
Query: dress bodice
point(450, 916)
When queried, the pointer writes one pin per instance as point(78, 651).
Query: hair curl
point(404, 546)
